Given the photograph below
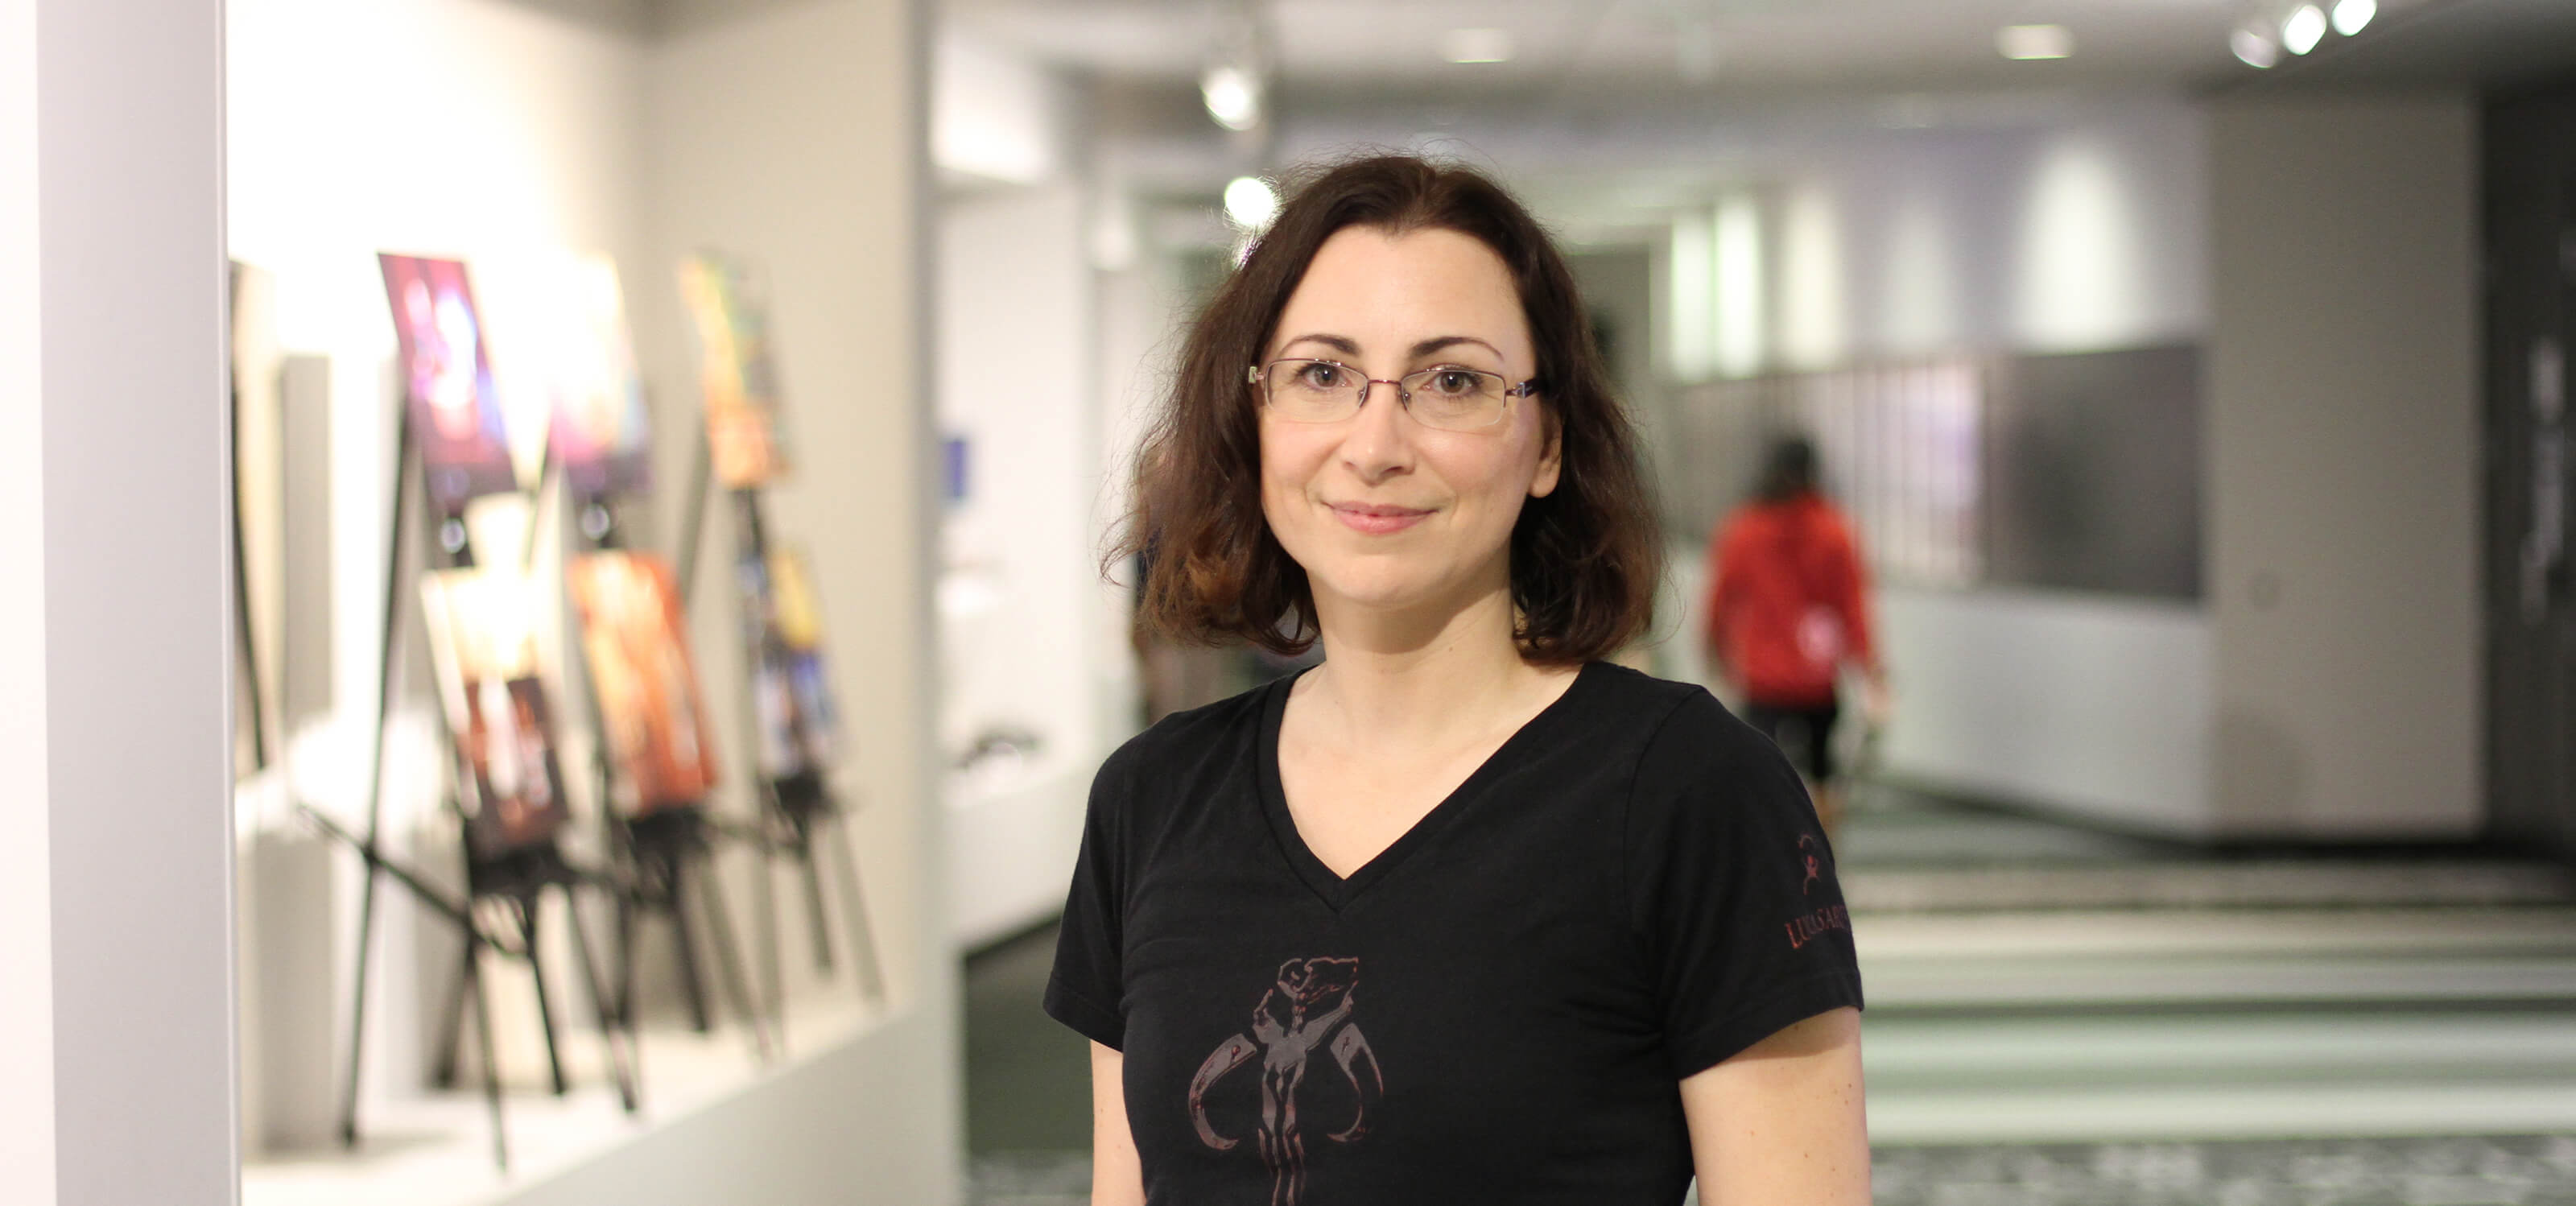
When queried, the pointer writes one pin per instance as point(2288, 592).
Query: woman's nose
point(1379, 441)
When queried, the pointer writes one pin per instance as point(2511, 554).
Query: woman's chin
point(1388, 594)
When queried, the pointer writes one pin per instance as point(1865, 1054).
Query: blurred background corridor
point(633, 742)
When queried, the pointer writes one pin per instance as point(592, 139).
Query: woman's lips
point(1377, 520)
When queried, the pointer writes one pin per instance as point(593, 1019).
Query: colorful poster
point(453, 408)
point(601, 438)
point(735, 372)
point(649, 707)
point(483, 647)
point(799, 726)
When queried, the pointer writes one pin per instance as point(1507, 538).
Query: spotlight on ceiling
point(1477, 46)
point(2303, 29)
point(1233, 95)
point(2035, 41)
point(2254, 45)
point(2350, 16)
point(1249, 203)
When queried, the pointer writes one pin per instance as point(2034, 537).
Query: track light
point(2350, 16)
point(1232, 93)
point(2253, 45)
point(2303, 29)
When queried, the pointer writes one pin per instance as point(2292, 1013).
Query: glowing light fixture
point(1249, 203)
point(2303, 29)
point(1233, 95)
point(2254, 45)
point(2035, 41)
point(1477, 45)
point(2351, 16)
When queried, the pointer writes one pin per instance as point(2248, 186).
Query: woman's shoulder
point(1687, 732)
point(1190, 737)
point(1660, 706)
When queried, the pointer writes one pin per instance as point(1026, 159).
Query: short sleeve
point(1731, 887)
point(1085, 989)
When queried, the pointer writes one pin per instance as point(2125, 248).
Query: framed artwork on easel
point(735, 372)
point(451, 404)
point(483, 648)
point(799, 724)
point(650, 712)
point(452, 443)
point(601, 436)
point(789, 709)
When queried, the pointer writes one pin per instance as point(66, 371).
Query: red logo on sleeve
point(1803, 930)
point(1812, 849)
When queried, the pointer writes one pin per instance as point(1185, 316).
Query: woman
point(1462, 914)
point(1788, 607)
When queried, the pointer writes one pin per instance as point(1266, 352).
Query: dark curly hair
point(1585, 559)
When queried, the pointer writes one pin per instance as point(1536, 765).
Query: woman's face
point(1383, 512)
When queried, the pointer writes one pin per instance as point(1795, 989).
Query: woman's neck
point(1422, 681)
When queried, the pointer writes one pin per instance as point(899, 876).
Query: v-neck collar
point(1336, 891)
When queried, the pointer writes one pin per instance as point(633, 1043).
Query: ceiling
point(2495, 46)
point(1632, 98)
point(1347, 53)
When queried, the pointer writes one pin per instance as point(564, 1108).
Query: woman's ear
point(1551, 457)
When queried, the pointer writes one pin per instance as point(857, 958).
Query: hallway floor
point(2062, 1016)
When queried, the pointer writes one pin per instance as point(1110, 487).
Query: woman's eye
point(1453, 382)
point(1320, 375)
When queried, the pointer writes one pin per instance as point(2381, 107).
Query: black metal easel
point(799, 812)
point(245, 642)
point(668, 859)
point(510, 884)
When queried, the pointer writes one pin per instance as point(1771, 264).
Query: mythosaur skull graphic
point(1309, 1007)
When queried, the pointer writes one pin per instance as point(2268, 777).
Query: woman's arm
point(1117, 1178)
point(1781, 1122)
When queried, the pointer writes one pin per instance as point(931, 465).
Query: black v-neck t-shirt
point(1498, 1008)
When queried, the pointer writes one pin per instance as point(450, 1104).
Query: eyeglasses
point(1447, 396)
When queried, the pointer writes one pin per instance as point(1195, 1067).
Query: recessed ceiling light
point(2254, 46)
point(1477, 45)
point(2035, 41)
point(2350, 16)
point(2303, 29)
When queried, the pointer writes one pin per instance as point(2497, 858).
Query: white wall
point(130, 531)
point(2342, 429)
point(996, 116)
point(26, 900)
point(1019, 638)
point(2057, 237)
point(2090, 705)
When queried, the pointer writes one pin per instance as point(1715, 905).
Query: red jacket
point(1786, 605)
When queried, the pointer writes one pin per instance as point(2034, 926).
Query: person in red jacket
point(1787, 610)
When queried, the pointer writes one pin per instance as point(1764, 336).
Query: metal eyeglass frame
point(1252, 376)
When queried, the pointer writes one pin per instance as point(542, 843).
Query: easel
point(668, 856)
point(798, 810)
point(514, 882)
point(245, 643)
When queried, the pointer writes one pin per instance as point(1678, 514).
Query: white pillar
point(116, 1036)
